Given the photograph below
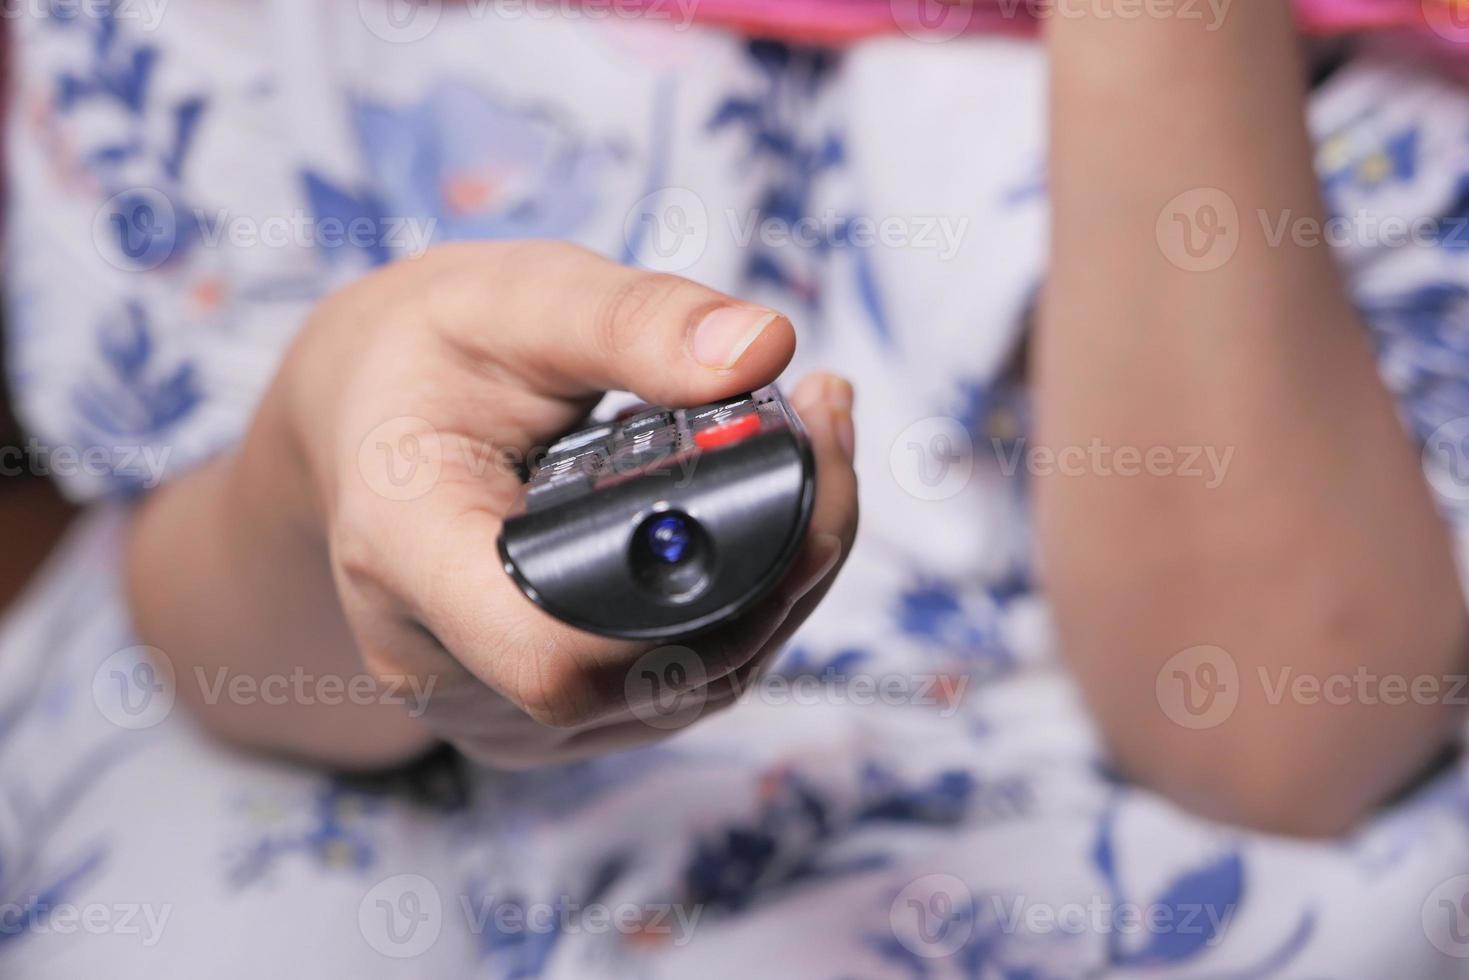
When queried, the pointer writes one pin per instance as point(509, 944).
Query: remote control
point(664, 522)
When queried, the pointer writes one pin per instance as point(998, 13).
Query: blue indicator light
point(669, 538)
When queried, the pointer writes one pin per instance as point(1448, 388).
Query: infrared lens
point(670, 555)
point(669, 538)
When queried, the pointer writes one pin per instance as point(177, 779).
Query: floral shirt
point(916, 790)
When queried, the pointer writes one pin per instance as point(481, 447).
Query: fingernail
point(825, 549)
point(723, 336)
point(838, 393)
point(839, 400)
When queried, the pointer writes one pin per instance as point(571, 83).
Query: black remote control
point(664, 522)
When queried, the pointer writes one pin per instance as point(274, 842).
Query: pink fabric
point(1444, 23)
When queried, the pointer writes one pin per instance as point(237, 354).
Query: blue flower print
point(777, 140)
point(480, 167)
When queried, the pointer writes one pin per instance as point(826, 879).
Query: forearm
point(1319, 549)
point(228, 577)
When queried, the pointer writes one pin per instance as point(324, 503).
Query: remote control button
point(577, 440)
point(720, 412)
point(581, 461)
point(643, 449)
point(662, 435)
point(728, 433)
point(647, 420)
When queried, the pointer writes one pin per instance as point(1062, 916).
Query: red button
point(728, 433)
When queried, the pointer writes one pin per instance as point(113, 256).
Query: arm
point(1320, 551)
point(298, 555)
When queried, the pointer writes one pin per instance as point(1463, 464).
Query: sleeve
point(1393, 158)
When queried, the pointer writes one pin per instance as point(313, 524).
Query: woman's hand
point(401, 401)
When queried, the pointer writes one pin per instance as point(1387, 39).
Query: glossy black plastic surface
point(585, 543)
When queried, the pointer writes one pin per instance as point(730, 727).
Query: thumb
point(571, 323)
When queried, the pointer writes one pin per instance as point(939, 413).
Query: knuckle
point(631, 308)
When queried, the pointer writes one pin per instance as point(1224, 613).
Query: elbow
point(1259, 788)
point(1326, 710)
point(1301, 775)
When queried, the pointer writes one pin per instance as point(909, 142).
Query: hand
point(477, 351)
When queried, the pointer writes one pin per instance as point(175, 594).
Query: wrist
point(270, 475)
point(284, 461)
